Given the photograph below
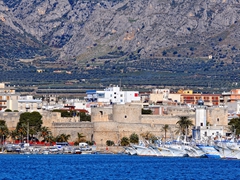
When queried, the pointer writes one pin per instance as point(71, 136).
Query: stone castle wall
point(217, 116)
point(128, 113)
point(73, 128)
point(101, 114)
point(115, 123)
point(158, 119)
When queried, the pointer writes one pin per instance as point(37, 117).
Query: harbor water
point(123, 167)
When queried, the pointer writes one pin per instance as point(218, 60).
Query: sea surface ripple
point(123, 167)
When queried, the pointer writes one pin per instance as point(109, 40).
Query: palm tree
point(80, 137)
point(63, 137)
point(44, 132)
point(165, 128)
point(184, 123)
point(14, 134)
point(148, 136)
point(3, 133)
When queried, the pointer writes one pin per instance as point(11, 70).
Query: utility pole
point(27, 130)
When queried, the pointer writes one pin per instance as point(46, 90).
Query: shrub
point(109, 143)
point(146, 111)
point(134, 138)
point(124, 141)
point(8, 110)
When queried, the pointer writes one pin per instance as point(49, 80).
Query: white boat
point(165, 151)
point(143, 151)
point(197, 152)
point(67, 150)
point(235, 148)
point(76, 151)
point(155, 150)
point(209, 151)
point(45, 151)
point(130, 151)
point(177, 150)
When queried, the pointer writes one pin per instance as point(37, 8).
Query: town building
point(232, 96)
point(209, 99)
point(29, 104)
point(8, 98)
point(112, 95)
point(209, 122)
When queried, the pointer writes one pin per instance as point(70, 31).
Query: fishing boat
point(210, 151)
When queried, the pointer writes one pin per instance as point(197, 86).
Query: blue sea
point(88, 167)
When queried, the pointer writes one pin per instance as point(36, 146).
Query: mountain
point(167, 35)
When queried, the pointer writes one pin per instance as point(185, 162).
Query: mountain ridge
point(92, 33)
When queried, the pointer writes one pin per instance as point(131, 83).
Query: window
point(125, 116)
point(217, 119)
point(201, 124)
point(101, 95)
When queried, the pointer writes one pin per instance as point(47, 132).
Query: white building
point(113, 95)
point(8, 98)
point(29, 104)
point(79, 104)
point(202, 130)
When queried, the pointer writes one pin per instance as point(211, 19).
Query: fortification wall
point(128, 113)
point(72, 128)
point(217, 116)
point(104, 131)
point(11, 118)
point(179, 111)
point(157, 119)
point(113, 124)
point(100, 114)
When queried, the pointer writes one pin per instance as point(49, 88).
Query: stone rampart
point(128, 113)
point(157, 119)
point(217, 116)
point(72, 128)
point(101, 114)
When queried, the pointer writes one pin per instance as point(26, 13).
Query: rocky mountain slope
point(83, 31)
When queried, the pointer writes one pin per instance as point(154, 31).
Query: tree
point(44, 133)
point(50, 138)
point(80, 138)
point(84, 117)
point(4, 132)
point(165, 129)
point(14, 134)
point(134, 138)
point(148, 136)
point(124, 141)
point(109, 143)
point(235, 125)
point(184, 123)
point(63, 137)
point(8, 110)
point(29, 122)
point(146, 111)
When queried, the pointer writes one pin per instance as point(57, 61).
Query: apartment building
point(8, 98)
